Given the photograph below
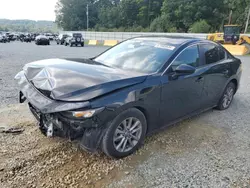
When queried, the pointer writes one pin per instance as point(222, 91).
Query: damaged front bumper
point(53, 121)
point(88, 132)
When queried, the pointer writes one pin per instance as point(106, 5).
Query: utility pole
point(148, 12)
point(230, 17)
point(247, 22)
point(87, 13)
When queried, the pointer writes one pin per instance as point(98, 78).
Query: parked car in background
point(61, 38)
point(42, 40)
point(5, 38)
point(55, 36)
point(25, 38)
point(74, 39)
point(111, 102)
point(33, 36)
point(1, 39)
point(12, 37)
point(49, 36)
point(20, 37)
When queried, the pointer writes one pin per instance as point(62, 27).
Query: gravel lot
point(210, 150)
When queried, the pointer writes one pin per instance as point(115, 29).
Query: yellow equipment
point(232, 40)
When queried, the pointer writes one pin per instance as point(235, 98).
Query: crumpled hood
point(76, 79)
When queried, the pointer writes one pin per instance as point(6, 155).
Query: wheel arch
point(235, 81)
point(146, 114)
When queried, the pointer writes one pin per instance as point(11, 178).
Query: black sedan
point(26, 38)
point(111, 102)
point(42, 40)
point(2, 40)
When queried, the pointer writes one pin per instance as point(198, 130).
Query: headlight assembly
point(83, 113)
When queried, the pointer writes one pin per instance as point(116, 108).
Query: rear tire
point(125, 134)
point(227, 97)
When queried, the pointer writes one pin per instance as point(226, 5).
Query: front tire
point(125, 134)
point(227, 97)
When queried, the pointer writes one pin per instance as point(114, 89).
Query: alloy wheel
point(228, 97)
point(127, 134)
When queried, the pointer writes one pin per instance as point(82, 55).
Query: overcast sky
point(28, 9)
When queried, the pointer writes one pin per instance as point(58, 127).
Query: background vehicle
point(5, 38)
point(231, 39)
point(61, 38)
point(25, 38)
point(20, 37)
point(42, 40)
point(135, 88)
point(33, 36)
point(49, 36)
point(1, 39)
point(74, 39)
point(12, 37)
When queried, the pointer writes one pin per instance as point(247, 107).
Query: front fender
point(144, 96)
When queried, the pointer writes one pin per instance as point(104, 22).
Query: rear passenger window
point(222, 54)
point(211, 53)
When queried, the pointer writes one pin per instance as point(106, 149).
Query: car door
point(181, 94)
point(217, 72)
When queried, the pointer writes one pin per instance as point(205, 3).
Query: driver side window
point(189, 56)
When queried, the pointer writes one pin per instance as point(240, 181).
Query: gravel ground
point(210, 150)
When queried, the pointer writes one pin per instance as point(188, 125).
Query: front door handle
point(200, 79)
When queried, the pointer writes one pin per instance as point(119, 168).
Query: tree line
point(27, 26)
point(198, 16)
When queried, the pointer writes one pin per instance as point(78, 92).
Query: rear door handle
point(200, 79)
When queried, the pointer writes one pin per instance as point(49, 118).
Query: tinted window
point(231, 30)
point(77, 35)
point(211, 53)
point(139, 55)
point(189, 56)
point(222, 54)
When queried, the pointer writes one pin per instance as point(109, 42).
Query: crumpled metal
point(41, 102)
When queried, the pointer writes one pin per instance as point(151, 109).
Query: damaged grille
point(34, 111)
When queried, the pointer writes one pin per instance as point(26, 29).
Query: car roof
point(173, 40)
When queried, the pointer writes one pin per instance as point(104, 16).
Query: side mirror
point(185, 69)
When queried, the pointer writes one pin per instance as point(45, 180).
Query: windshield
point(139, 55)
point(77, 35)
point(231, 30)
